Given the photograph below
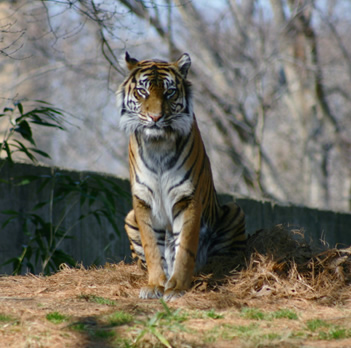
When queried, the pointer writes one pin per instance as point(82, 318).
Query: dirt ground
point(281, 294)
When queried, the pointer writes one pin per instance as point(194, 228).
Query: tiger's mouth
point(154, 131)
point(157, 130)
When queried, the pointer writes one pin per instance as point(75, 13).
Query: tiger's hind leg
point(229, 237)
point(133, 233)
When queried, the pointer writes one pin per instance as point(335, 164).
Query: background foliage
point(45, 225)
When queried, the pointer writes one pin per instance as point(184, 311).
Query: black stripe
point(183, 199)
point(142, 201)
point(231, 221)
point(180, 145)
point(132, 241)
point(189, 152)
point(141, 154)
point(159, 231)
point(132, 227)
point(189, 252)
point(185, 178)
point(137, 179)
point(203, 165)
point(178, 213)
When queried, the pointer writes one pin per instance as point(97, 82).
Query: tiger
point(177, 223)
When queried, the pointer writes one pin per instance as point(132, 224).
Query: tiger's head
point(155, 99)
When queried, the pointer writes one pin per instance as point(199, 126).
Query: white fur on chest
point(156, 186)
point(160, 198)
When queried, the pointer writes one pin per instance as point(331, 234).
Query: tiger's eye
point(142, 92)
point(170, 92)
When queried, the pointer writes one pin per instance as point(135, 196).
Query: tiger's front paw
point(151, 292)
point(173, 290)
point(172, 295)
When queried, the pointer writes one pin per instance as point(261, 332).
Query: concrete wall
point(94, 243)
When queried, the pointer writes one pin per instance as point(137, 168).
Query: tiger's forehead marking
point(156, 73)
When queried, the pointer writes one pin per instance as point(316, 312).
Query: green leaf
point(60, 257)
point(8, 151)
point(97, 218)
point(24, 129)
point(40, 205)
point(23, 149)
point(47, 124)
point(160, 337)
point(10, 212)
point(20, 108)
point(25, 179)
point(6, 222)
point(41, 153)
point(166, 308)
point(18, 262)
point(140, 336)
point(42, 102)
point(37, 220)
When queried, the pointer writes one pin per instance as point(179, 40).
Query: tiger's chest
point(160, 180)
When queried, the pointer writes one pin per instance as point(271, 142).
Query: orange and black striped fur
point(176, 223)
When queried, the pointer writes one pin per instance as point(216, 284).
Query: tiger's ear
point(183, 64)
point(131, 62)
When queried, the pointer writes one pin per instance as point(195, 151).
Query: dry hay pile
point(280, 264)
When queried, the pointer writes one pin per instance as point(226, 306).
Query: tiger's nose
point(155, 118)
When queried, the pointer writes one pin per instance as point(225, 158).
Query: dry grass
point(279, 270)
point(280, 264)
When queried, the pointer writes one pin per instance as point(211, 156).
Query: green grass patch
point(252, 313)
point(56, 317)
point(244, 331)
point(284, 314)
point(327, 331)
point(213, 315)
point(162, 322)
point(316, 324)
point(94, 332)
point(4, 318)
point(200, 314)
point(119, 318)
point(98, 299)
point(256, 314)
point(250, 333)
point(104, 334)
point(229, 332)
point(270, 336)
point(332, 334)
point(79, 327)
